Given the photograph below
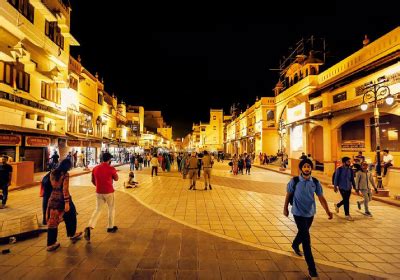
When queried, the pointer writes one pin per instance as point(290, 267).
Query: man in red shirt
point(102, 177)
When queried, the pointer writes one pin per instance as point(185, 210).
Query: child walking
point(364, 180)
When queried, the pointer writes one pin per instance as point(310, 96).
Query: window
point(73, 83)
point(214, 118)
point(100, 99)
point(51, 92)
point(24, 7)
point(54, 33)
point(214, 127)
point(15, 76)
point(389, 134)
point(339, 97)
point(203, 129)
point(316, 106)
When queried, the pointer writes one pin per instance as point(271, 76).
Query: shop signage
point(30, 103)
point(34, 141)
point(74, 143)
point(353, 145)
point(85, 143)
point(10, 140)
point(296, 113)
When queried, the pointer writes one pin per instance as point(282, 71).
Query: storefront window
point(389, 133)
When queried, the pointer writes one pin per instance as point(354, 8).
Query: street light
point(282, 132)
point(373, 92)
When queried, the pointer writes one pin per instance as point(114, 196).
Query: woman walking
point(60, 207)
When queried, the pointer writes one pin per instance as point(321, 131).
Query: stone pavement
point(147, 246)
point(327, 181)
point(197, 242)
point(248, 209)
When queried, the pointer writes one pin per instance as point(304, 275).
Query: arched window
point(295, 79)
point(313, 71)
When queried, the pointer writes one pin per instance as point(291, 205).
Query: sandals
point(76, 237)
point(53, 247)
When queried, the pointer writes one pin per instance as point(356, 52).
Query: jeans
point(367, 198)
point(4, 189)
point(345, 201)
point(385, 168)
point(100, 200)
point(131, 166)
point(303, 237)
point(154, 169)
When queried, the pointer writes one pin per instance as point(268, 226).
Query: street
point(235, 231)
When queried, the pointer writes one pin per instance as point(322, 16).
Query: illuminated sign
point(353, 145)
point(10, 140)
point(296, 113)
point(34, 141)
point(296, 138)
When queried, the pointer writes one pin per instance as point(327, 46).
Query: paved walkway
point(248, 208)
point(147, 246)
point(236, 231)
point(327, 181)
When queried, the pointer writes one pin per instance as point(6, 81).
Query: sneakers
point(313, 275)
point(359, 205)
point(113, 229)
point(336, 208)
point(2, 206)
point(349, 218)
point(76, 237)
point(53, 247)
point(368, 214)
point(297, 251)
point(87, 234)
point(210, 187)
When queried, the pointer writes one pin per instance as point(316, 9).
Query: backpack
point(296, 181)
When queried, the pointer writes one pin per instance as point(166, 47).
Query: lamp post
point(282, 132)
point(88, 120)
point(373, 92)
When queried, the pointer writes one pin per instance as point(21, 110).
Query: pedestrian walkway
point(146, 246)
point(248, 209)
point(327, 181)
point(37, 177)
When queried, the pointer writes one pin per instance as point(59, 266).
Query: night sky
point(184, 60)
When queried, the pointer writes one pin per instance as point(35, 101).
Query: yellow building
point(207, 136)
point(165, 132)
point(320, 110)
point(254, 130)
point(34, 56)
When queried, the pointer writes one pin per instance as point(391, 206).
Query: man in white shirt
point(387, 161)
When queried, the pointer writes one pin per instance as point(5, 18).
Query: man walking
point(300, 190)
point(344, 179)
point(207, 166)
point(102, 177)
point(193, 167)
point(5, 179)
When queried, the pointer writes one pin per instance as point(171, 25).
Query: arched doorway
point(316, 143)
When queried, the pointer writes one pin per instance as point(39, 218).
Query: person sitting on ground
point(131, 183)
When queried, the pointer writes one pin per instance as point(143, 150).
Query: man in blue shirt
point(344, 180)
point(304, 209)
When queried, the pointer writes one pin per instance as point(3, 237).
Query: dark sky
point(185, 60)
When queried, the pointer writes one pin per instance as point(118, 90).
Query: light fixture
point(389, 100)
point(364, 106)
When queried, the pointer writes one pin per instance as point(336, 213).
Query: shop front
point(9, 145)
point(36, 149)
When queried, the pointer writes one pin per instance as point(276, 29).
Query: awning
point(30, 130)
